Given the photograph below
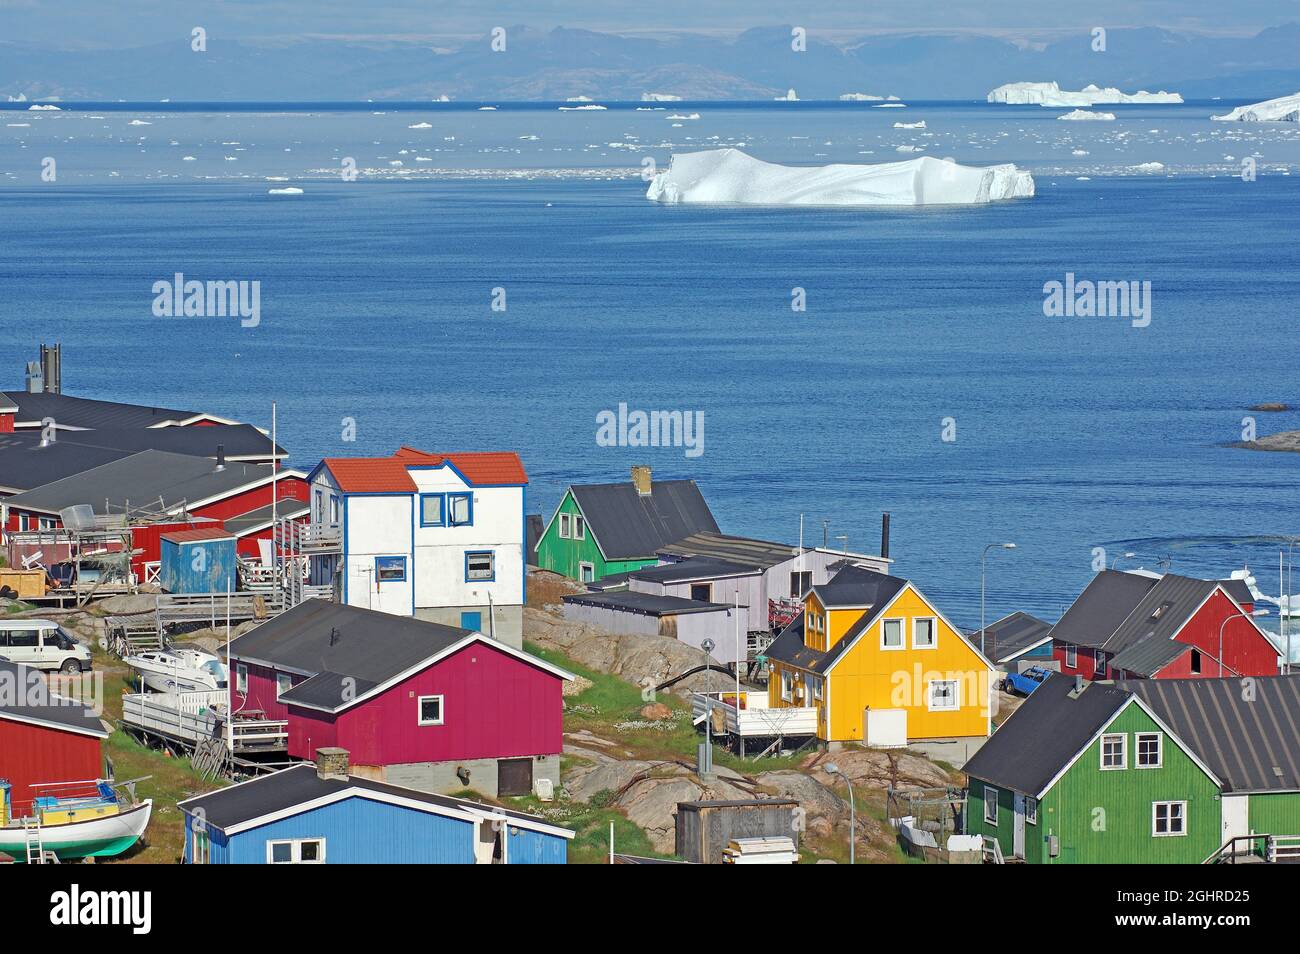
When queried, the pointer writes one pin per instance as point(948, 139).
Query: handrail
point(1227, 853)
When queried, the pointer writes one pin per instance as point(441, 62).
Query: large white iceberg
point(1050, 94)
point(1083, 115)
point(731, 176)
point(1284, 109)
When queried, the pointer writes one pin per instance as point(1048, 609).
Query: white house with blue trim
point(440, 537)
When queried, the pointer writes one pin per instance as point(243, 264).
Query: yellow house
point(880, 663)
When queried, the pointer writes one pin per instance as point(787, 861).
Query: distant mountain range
point(562, 63)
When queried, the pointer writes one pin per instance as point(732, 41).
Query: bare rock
point(576, 686)
point(655, 711)
point(882, 769)
point(651, 804)
point(127, 604)
point(583, 782)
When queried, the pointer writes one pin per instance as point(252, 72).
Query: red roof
point(198, 533)
point(389, 474)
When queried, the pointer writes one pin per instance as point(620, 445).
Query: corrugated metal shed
point(704, 828)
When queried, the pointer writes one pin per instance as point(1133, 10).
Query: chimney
point(52, 368)
point(221, 457)
point(1079, 686)
point(332, 763)
point(641, 479)
point(884, 535)
point(35, 380)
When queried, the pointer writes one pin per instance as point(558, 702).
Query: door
point(472, 621)
point(885, 728)
point(24, 646)
point(515, 777)
point(1018, 826)
point(1235, 810)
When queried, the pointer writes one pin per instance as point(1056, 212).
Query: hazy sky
point(124, 23)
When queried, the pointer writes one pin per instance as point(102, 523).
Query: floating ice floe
point(1284, 109)
point(660, 98)
point(43, 108)
point(139, 122)
point(916, 125)
point(289, 190)
point(1149, 167)
point(890, 106)
point(859, 98)
point(1083, 115)
point(420, 126)
point(731, 176)
point(569, 109)
point(1050, 94)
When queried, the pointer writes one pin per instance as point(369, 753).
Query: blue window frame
point(433, 510)
point(390, 569)
point(480, 566)
point(460, 510)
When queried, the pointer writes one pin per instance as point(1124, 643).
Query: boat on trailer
point(179, 669)
point(91, 819)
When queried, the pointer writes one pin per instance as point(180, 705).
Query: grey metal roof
point(789, 647)
point(69, 411)
point(631, 526)
point(283, 790)
point(331, 640)
point(1148, 656)
point(25, 464)
point(722, 546)
point(1099, 610)
point(1161, 612)
point(693, 568)
point(142, 479)
point(261, 516)
point(1013, 635)
point(328, 690)
point(645, 604)
point(1238, 590)
point(25, 696)
point(857, 586)
point(1245, 731)
point(1048, 729)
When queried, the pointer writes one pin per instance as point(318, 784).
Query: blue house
point(201, 560)
point(318, 814)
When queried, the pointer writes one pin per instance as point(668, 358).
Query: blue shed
point(202, 560)
point(310, 815)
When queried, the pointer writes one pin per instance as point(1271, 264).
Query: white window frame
point(564, 527)
point(584, 567)
point(1123, 751)
point(1031, 810)
point(419, 711)
point(814, 684)
point(1072, 657)
point(282, 677)
point(934, 632)
point(1137, 749)
point(579, 526)
point(241, 678)
point(956, 695)
point(1099, 663)
point(990, 819)
point(902, 635)
point(787, 686)
point(1169, 818)
point(295, 851)
point(200, 847)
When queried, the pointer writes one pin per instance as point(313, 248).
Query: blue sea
point(1071, 434)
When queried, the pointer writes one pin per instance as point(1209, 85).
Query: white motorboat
point(179, 670)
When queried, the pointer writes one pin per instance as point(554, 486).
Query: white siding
point(378, 526)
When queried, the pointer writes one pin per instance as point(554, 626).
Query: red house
point(1140, 626)
point(44, 738)
point(416, 703)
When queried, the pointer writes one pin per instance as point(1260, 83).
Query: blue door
point(472, 621)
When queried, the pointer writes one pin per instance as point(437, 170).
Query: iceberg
point(1284, 109)
point(1050, 94)
point(859, 98)
point(42, 109)
point(660, 98)
point(918, 125)
point(1083, 115)
point(732, 176)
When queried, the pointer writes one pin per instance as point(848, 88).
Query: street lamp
point(705, 760)
point(1124, 556)
point(983, 558)
point(833, 769)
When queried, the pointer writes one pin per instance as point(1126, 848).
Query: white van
point(42, 644)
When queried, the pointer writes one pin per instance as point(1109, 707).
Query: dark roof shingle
point(631, 526)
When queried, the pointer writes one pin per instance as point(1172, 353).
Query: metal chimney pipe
point(884, 535)
point(221, 457)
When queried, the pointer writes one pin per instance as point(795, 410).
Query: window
point(430, 710)
point(390, 569)
point(990, 805)
point(564, 527)
point(480, 566)
point(891, 634)
point(202, 848)
point(579, 528)
point(1196, 661)
point(320, 506)
point(300, 851)
point(1101, 664)
point(787, 686)
point(702, 592)
point(1168, 819)
point(1071, 657)
point(1031, 810)
point(1114, 752)
point(23, 638)
point(923, 633)
point(1149, 750)
point(241, 678)
point(432, 510)
point(800, 583)
point(283, 683)
point(943, 695)
point(334, 509)
point(460, 509)
point(586, 572)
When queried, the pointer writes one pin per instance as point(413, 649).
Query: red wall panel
point(32, 754)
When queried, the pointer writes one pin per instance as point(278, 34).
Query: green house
point(602, 529)
point(1141, 772)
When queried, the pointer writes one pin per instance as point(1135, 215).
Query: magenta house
point(417, 704)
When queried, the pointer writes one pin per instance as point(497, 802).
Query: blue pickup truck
point(1023, 683)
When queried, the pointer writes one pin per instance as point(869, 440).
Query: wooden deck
point(755, 720)
point(186, 719)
